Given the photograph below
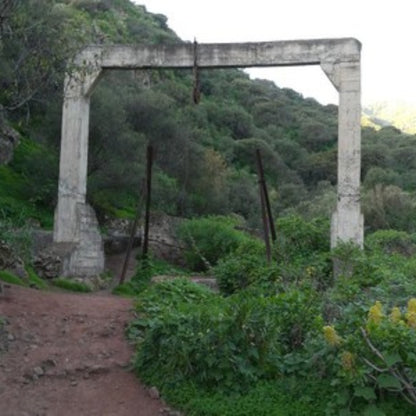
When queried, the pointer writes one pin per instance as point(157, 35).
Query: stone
point(11, 262)
point(38, 371)
point(154, 393)
point(48, 264)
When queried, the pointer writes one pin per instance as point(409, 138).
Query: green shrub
point(373, 357)
point(298, 239)
point(246, 265)
point(391, 241)
point(215, 342)
point(209, 239)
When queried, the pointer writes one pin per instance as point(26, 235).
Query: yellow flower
point(411, 305)
point(331, 336)
point(347, 360)
point(395, 315)
point(411, 319)
point(375, 314)
point(310, 271)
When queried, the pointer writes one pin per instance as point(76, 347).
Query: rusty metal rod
point(264, 216)
point(266, 194)
point(132, 234)
point(148, 200)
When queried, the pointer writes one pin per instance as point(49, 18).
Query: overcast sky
point(386, 29)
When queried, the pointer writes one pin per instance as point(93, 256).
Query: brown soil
point(66, 355)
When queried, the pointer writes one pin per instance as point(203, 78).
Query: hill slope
point(204, 154)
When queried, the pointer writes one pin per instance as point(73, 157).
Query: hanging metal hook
point(196, 95)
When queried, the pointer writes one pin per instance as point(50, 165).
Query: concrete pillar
point(347, 221)
point(73, 166)
point(75, 225)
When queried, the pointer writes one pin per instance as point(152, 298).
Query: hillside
point(401, 115)
point(204, 153)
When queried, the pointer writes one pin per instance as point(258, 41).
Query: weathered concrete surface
point(339, 58)
point(219, 55)
point(347, 221)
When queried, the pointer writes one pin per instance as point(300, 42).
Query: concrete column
point(76, 228)
point(347, 221)
point(73, 166)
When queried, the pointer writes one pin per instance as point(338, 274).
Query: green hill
point(204, 153)
point(398, 114)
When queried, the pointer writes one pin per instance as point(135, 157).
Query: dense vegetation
point(281, 338)
point(204, 154)
point(285, 338)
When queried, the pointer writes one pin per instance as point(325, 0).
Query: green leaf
point(373, 410)
point(387, 381)
point(365, 392)
point(342, 397)
point(392, 359)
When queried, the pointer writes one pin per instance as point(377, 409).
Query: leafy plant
point(218, 343)
point(373, 357)
point(209, 239)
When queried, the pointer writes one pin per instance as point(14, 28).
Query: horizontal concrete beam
point(221, 55)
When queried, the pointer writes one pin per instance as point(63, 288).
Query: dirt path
point(66, 355)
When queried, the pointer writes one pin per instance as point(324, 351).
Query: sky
point(386, 29)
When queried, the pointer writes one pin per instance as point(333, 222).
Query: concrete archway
point(75, 224)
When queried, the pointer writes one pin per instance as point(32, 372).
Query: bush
point(298, 239)
point(219, 343)
point(392, 241)
point(209, 239)
point(246, 265)
point(374, 358)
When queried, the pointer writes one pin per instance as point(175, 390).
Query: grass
point(35, 280)
point(274, 398)
point(71, 285)
point(8, 277)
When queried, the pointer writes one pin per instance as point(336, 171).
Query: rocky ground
point(66, 355)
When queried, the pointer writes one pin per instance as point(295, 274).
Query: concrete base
point(347, 226)
point(85, 257)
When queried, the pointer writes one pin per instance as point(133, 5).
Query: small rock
point(49, 363)
point(38, 371)
point(154, 393)
point(74, 383)
point(10, 337)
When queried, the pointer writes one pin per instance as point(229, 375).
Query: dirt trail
point(66, 355)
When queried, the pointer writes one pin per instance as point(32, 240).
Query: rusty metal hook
point(196, 95)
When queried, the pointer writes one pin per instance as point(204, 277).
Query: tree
point(40, 38)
